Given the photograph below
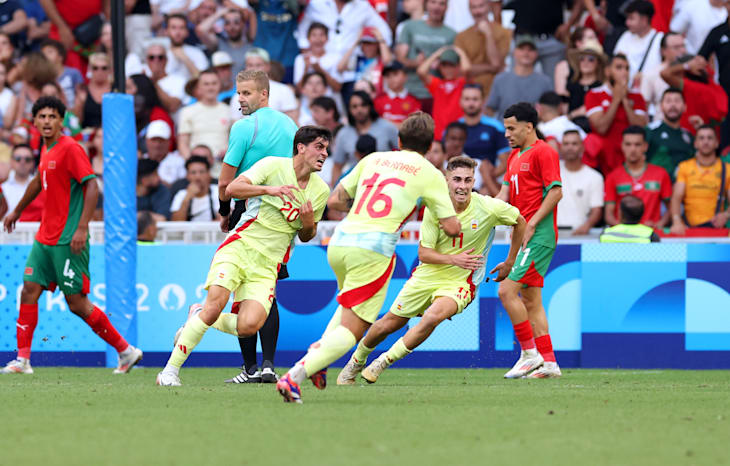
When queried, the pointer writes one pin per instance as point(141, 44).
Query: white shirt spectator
point(582, 191)
point(652, 88)
point(344, 26)
point(166, 6)
point(457, 15)
point(556, 127)
point(175, 66)
point(695, 19)
point(634, 47)
point(328, 62)
point(281, 98)
point(6, 97)
point(200, 207)
point(14, 190)
point(172, 167)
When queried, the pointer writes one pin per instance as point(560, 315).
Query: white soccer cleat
point(194, 309)
point(128, 359)
point(168, 379)
point(549, 370)
point(349, 372)
point(373, 371)
point(528, 362)
point(17, 366)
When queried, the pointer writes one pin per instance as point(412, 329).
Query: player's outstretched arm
point(91, 196)
point(465, 260)
point(340, 199)
point(33, 189)
point(518, 234)
point(242, 188)
point(309, 226)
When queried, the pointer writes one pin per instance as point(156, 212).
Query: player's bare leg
point(378, 332)
point(95, 318)
point(441, 309)
point(532, 297)
point(25, 326)
point(530, 359)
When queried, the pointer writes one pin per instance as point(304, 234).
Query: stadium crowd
point(633, 95)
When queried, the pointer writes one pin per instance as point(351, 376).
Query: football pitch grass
point(75, 416)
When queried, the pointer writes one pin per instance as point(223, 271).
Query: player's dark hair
point(663, 42)
point(60, 48)
point(635, 129)
point(367, 101)
point(179, 16)
point(144, 220)
point(522, 111)
point(416, 132)
point(366, 145)
point(51, 102)
point(476, 86)
point(707, 126)
point(550, 99)
point(643, 7)
point(310, 133)
point(461, 161)
point(456, 125)
point(197, 159)
point(632, 209)
point(618, 56)
point(573, 131)
point(317, 25)
point(22, 145)
point(327, 104)
point(672, 90)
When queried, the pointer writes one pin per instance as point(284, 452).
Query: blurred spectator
point(453, 65)
point(182, 183)
point(587, 71)
point(6, 100)
point(95, 149)
point(669, 144)
point(640, 43)
point(542, 20)
point(313, 86)
point(706, 101)
point(364, 60)
point(702, 187)
point(366, 87)
point(9, 58)
point(183, 59)
point(629, 230)
point(567, 70)
point(171, 165)
point(232, 40)
point(581, 207)
point(436, 155)
point(206, 121)
point(413, 10)
point(137, 25)
point(199, 201)
point(648, 182)
point(553, 124)
point(454, 140)
point(66, 16)
point(395, 103)
point(486, 43)
point(611, 108)
point(652, 84)
point(522, 83)
point(199, 11)
point(717, 43)
point(418, 40)
point(69, 78)
point(162, 8)
point(223, 66)
point(318, 59)
point(146, 227)
point(35, 72)
point(277, 21)
point(23, 165)
point(152, 195)
point(325, 113)
point(362, 119)
point(281, 96)
point(344, 20)
point(3, 204)
point(38, 24)
point(13, 20)
point(147, 108)
point(695, 19)
point(364, 146)
point(170, 88)
point(88, 100)
point(485, 139)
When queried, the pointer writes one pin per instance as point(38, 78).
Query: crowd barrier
point(609, 305)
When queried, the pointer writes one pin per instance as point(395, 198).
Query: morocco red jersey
point(396, 107)
point(707, 100)
point(530, 175)
point(63, 169)
point(599, 100)
point(446, 106)
point(652, 187)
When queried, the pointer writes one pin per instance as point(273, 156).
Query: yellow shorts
point(362, 278)
point(417, 295)
point(245, 272)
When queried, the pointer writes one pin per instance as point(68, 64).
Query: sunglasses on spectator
point(589, 58)
point(156, 57)
point(23, 159)
point(99, 68)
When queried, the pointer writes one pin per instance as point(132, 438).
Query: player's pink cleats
point(289, 389)
point(319, 379)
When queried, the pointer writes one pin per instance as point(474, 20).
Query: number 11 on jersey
point(513, 179)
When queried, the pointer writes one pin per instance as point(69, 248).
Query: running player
point(448, 276)
point(285, 198)
point(532, 184)
point(60, 253)
point(380, 193)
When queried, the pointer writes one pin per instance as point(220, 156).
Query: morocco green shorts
point(531, 265)
point(52, 266)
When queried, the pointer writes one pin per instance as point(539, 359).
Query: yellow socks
point(397, 351)
point(227, 323)
point(361, 353)
point(189, 338)
point(331, 347)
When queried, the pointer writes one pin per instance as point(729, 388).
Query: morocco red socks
point(545, 347)
point(523, 332)
point(27, 320)
point(99, 323)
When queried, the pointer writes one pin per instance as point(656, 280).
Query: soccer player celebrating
point(380, 193)
point(60, 253)
point(448, 276)
point(285, 198)
point(532, 184)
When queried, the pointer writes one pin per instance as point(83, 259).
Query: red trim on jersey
point(532, 277)
point(407, 217)
point(85, 284)
point(359, 295)
point(236, 307)
point(236, 236)
point(472, 286)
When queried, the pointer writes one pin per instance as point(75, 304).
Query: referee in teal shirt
point(266, 132)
